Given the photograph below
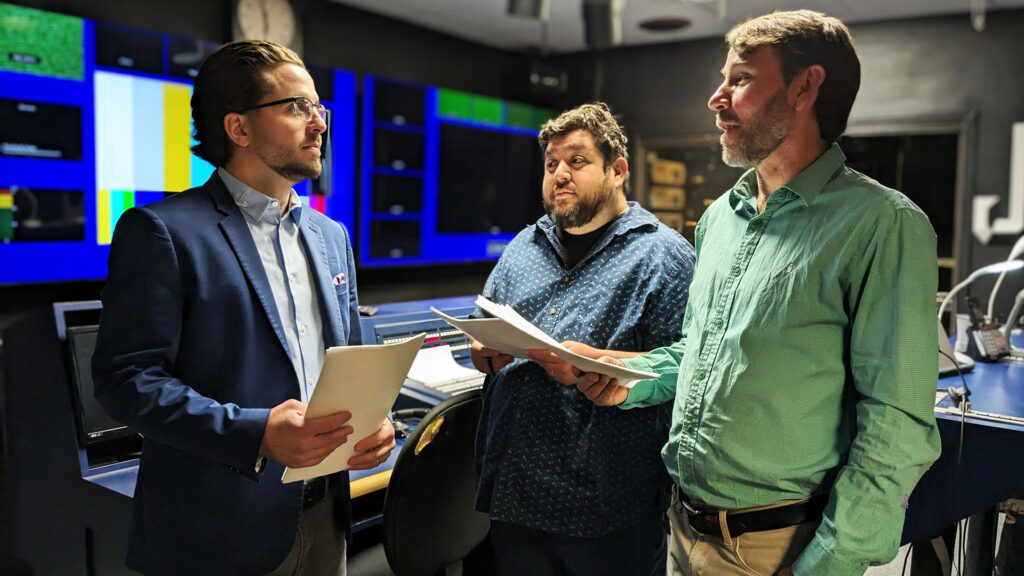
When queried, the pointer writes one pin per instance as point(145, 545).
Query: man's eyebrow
point(569, 147)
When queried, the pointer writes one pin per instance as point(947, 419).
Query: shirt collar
point(256, 205)
point(807, 185)
point(633, 218)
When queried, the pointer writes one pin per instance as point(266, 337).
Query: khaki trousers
point(752, 553)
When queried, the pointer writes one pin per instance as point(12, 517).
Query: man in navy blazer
point(218, 306)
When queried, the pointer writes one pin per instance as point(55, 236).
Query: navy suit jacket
point(191, 353)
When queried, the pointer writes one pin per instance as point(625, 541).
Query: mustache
point(728, 116)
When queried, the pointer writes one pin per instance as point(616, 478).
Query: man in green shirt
point(805, 377)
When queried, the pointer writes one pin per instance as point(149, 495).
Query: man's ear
point(619, 170)
point(806, 85)
point(236, 126)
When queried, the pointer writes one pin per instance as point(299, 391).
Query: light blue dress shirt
point(279, 242)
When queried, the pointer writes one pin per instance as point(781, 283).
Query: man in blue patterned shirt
point(573, 488)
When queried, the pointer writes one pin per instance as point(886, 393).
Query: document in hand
point(364, 380)
point(511, 334)
point(436, 369)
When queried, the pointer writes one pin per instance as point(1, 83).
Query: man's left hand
point(374, 449)
point(560, 370)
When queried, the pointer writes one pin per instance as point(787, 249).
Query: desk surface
point(996, 388)
point(978, 466)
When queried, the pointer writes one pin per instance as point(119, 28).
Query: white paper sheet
point(436, 366)
point(364, 380)
point(508, 332)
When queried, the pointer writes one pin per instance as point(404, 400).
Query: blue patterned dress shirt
point(549, 458)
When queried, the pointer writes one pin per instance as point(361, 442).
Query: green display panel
point(454, 104)
point(38, 42)
point(487, 110)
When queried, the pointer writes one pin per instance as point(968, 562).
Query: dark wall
point(934, 69)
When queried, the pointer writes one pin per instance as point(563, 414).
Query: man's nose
point(318, 123)
point(562, 173)
point(719, 100)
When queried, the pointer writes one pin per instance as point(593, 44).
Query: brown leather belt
point(705, 519)
point(313, 492)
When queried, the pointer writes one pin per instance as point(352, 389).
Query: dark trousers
point(637, 551)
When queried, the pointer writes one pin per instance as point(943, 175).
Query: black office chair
point(430, 522)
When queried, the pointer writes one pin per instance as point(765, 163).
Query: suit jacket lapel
point(316, 248)
point(240, 238)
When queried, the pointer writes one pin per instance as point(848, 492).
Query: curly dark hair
point(595, 118)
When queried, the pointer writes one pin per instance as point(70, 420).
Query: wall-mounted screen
point(40, 130)
point(447, 176)
point(490, 181)
point(95, 118)
point(43, 43)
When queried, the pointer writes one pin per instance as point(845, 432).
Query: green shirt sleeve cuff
point(817, 561)
point(643, 389)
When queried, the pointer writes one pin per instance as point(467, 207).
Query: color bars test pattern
point(143, 145)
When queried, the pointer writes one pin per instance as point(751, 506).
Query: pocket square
point(339, 279)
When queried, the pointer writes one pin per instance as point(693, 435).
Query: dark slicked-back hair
point(802, 38)
point(595, 118)
point(231, 79)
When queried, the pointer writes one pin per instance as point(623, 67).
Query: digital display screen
point(490, 181)
point(36, 215)
point(96, 119)
point(43, 43)
point(36, 130)
point(448, 177)
point(119, 47)
point(94, 422)
point(187, 55)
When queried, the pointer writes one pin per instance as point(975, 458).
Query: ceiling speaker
point(602, 23)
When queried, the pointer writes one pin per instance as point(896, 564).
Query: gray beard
point(762, 136)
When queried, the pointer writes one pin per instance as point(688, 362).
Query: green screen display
point(39, 42)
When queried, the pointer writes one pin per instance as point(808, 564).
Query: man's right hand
point(603, 390)
point(480, 355)
point(295, 442)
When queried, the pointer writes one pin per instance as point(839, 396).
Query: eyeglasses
point(302, 106)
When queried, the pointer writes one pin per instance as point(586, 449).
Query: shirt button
point(736, 271)
point(701, 374)
point(309, 380)
point(719, 323)
point(554, 310)
point(302, 329)
point(566, 279)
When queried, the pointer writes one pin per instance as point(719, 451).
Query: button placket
point(714, 337)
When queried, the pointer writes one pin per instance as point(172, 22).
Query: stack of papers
point(509, 333)
point(435, 368)
point(364, 380)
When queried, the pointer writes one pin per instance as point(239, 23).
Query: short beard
point(298, 171)
point(584, 211)
point(762, 135)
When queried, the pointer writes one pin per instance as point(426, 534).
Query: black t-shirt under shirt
point(577, 245)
